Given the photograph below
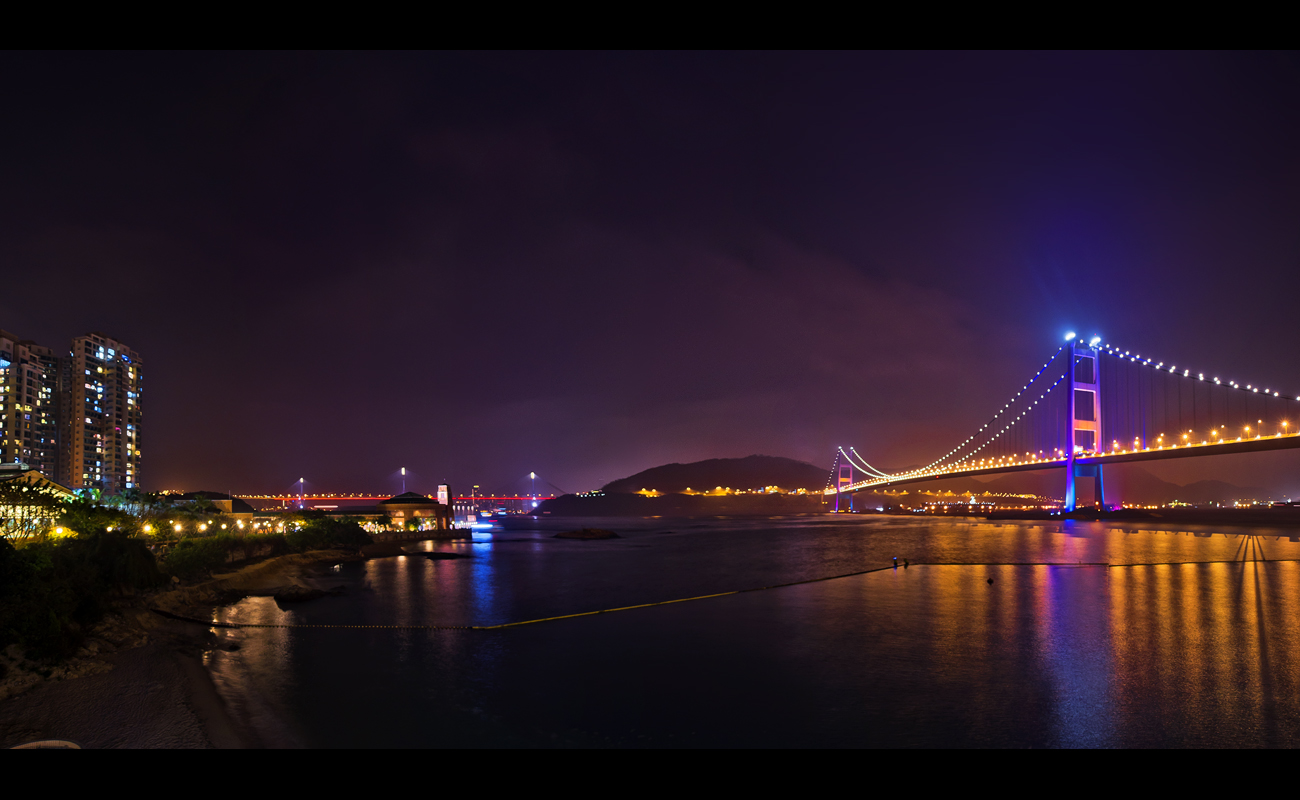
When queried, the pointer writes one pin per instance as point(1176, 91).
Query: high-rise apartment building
point(101, 415)
point(29, 392)
point(76, 418)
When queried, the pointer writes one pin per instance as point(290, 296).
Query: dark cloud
point(479, 265)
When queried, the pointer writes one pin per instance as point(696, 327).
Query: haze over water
point(1169, 653)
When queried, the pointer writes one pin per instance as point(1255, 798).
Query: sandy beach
point(139, 679)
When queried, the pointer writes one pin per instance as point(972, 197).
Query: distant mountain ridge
point(751, 472)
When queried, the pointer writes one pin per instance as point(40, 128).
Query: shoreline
point(139, 680)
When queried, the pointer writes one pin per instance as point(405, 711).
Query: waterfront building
point(27, 476)
point(30, 377)
point(229, 505)
point(102, 414)
point(407, 512)
point(27, 514)
point(411, 509)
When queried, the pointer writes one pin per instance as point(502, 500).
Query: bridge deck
point(1261, 444)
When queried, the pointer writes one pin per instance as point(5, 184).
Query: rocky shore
point(139, 681)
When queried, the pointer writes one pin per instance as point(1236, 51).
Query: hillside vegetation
point(742, 474)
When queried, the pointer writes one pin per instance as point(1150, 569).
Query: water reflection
point(1213, 646)
point(1169, 654)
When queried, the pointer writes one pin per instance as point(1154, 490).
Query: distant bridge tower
point(843, 477)
point(1083, 422)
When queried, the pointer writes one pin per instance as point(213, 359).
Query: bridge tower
point(1083, 420)
point(843, 477)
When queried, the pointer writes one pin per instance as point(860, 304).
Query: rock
point(297, 594)
point(588, 533)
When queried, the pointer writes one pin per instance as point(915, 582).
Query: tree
point(27, 512)
point(87, 517)
point(134, 501)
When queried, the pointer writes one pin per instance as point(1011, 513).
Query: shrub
point(87, 517)
point(193, 557)
point(321, 534)
point(51, 592)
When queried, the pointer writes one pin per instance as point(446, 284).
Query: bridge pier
point(1083, 420)
point(1084, 471)
point(842, 479)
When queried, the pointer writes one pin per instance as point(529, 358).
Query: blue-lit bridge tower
point(843, 478)
point(1083, 420)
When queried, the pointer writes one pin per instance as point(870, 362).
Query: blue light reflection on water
point(929, 656)
point(1077, 646)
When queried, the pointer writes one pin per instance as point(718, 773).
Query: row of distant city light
point(202, 527)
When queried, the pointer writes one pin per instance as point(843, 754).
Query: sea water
point(998, 634)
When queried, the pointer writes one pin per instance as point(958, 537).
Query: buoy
point(990, 581)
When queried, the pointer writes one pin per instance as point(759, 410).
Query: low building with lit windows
point(409, 515)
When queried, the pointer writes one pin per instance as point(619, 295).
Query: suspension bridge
point(1094, 404)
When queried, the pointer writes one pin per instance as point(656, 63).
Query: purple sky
point(479, 265)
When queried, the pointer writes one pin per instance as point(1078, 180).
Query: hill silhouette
point(751, 472)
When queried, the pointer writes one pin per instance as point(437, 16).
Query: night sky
point(477, 265)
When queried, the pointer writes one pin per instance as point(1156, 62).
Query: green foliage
point(51, 592)
point(135, 501)
point(88, 517)
point(91, 494)
point(321, 533)
point(199, 555)
point(196, 556)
